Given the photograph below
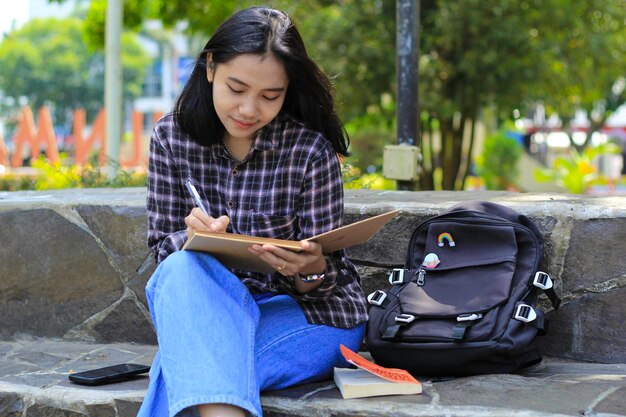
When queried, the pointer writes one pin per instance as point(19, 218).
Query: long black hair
point(261, 30)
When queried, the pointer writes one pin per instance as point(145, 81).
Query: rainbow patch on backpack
point(443, 237)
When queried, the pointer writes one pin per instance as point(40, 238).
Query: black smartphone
point(109, 374)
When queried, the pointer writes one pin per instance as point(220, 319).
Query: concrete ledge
point(73, 263)
point(34, 383)
point(34, 379)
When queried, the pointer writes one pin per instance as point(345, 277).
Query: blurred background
point(524, 95)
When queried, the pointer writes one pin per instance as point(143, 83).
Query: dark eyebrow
point(274, 89)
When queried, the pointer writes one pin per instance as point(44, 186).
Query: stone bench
point(74, 263)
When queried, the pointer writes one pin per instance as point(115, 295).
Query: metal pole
point(407, 46)
point(113, 84)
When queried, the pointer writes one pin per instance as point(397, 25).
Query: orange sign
point(29, 135)
point(31, 138)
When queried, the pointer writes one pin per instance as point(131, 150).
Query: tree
point(352, 40)
point(497, 163)
point(475, 53)
point(587, 55)
point(47, 62)
point(501, 54)
point(477, 57)
point(200, 17)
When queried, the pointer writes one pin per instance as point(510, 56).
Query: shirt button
point(231, 204)
point(235, 171)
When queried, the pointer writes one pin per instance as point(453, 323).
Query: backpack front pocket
point(466, 273)
point(465, 268)
point(461, 290)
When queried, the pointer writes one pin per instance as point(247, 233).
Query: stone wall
point(73, 263)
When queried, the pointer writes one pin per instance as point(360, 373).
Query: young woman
point(255, 130)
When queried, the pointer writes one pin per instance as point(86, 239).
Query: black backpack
point(465, 302)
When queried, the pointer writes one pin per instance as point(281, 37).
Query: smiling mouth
point(243, 124)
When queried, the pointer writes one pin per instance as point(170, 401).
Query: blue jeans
point(219, 344)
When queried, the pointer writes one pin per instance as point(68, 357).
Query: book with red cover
point(370, 380)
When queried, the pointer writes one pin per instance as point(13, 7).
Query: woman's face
point(248, 92)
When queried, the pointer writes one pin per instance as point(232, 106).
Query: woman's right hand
point(198, 220)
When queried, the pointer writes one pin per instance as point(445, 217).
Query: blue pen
point(196, 196)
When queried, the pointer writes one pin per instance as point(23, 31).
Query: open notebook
point(232, 249)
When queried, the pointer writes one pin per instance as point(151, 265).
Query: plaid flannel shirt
point(288, 187)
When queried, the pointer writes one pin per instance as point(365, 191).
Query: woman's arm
point(165, 203)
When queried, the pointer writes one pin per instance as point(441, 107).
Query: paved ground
point(34, 383)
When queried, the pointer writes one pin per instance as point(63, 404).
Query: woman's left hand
point(288, 263)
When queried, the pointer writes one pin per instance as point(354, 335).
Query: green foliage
point(349, 173)
point(497, 164)
point(478, 52)
point(576, 172)
point(201, 16)
point(134, 12)
point(94, 176)
point(352, 40)
point(566, 53)
point(94, 25)
point(59, 176)
point(368, 136)
point(47, 62)
point(55, 176)
point(16, 182)
point(474, 54)
point(367, 146)
point(371, 182)
point(583, 47)
point(508, 55)
point(353, 179)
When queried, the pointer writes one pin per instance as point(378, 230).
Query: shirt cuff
point(172, 243)
point(326, 288)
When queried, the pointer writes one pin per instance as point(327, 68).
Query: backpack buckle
point(525, 313)
point(469, 317)
point(376, 298)
point(397, 276)
point(405, 318)
point(543, 280)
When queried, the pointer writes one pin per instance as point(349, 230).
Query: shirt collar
point(266, 138)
